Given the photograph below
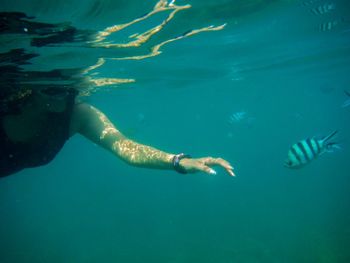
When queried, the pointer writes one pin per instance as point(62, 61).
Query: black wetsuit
point(15, 156)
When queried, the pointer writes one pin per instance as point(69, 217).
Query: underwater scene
point(263, 84)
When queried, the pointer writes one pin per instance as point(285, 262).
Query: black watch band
point(176, 162)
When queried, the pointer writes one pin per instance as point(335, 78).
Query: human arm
point(94, 125)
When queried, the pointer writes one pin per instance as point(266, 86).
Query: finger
point(211, 171)
point(230, 172)
point(206, 169)
point(227, 166)
point(219, 161)
point(225, 163)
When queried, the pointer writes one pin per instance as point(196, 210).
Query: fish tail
point(347, 93)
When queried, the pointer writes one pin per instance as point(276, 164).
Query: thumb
point(208, 170)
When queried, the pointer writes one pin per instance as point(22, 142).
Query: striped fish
point(328, 26)
point(323, 9)
point(306, 150)
point(310, 2)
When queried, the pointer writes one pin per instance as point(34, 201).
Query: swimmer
point(46, 118)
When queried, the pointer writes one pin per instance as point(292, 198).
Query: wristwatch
point(176, 162)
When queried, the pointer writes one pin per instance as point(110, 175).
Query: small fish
point(328, 26)
point(304, 151)
point(323, 9)
point(347, 102)
point(310, 2)
point(237, 116)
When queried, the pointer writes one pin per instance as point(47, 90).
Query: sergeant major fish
point(305, 151)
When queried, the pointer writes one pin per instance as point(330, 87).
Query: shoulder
point(81, 108)
point(80, 114)
point(84, 116)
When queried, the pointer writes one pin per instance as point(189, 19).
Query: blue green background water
point(273, 61)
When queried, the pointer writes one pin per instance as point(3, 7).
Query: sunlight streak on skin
point(108, 127)
point(128, 150)
point(141, 155)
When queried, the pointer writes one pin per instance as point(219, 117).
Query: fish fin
point(333, 147)
point(328, 137)
point(347, 93)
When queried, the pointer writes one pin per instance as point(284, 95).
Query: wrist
point(176, 162)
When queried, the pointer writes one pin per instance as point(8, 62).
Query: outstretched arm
point(94, 125)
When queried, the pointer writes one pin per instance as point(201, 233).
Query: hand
point(204, 165)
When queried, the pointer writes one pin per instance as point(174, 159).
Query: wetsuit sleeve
point(94, 125)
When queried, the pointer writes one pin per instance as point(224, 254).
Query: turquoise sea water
point(285, 64)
